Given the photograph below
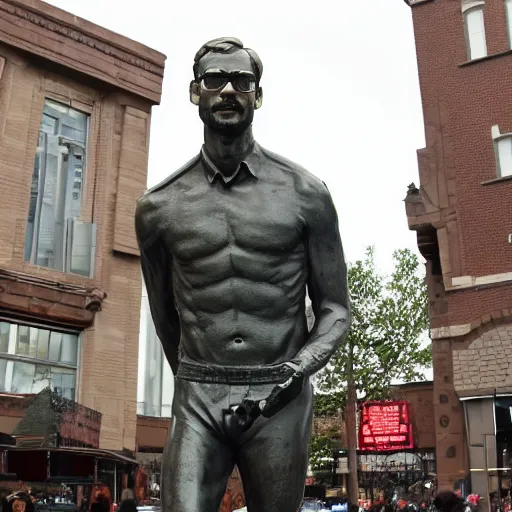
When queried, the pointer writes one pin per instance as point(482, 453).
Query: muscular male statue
point(229, 244)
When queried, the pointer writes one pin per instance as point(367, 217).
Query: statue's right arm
point(156, 262)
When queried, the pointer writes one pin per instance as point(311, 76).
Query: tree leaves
point(389, 328)
point(390, 319)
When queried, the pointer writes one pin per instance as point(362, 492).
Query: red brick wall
point(474, 97)
point(461, 102)
point(420, 398)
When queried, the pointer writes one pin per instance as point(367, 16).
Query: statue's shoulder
point(148, 205)
point(174, 176)
point(305, 182)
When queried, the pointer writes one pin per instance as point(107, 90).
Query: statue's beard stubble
point(226, 127)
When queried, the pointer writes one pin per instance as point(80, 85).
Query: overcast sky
point(341, 95)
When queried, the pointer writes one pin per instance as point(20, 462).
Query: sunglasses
point(241, 82)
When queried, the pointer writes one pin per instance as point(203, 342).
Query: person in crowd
point(18, 502)
point(102, 504)
point(84, 506)
point(448, 501)
point(388, 507)
point(128, 502)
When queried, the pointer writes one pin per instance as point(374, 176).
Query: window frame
point(496, 138)
point(51, 103)
point(90, 107)
point(467, 9)
point(13, 335)
point(89, 101)
point(508, 17)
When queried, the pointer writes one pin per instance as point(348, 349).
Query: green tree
point(388, 334)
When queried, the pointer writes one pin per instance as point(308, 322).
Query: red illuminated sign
point(385, 426)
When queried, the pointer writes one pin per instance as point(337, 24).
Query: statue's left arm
point(327, 283)
point(328, 291)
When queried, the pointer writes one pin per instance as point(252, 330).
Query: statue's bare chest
point(251, 216)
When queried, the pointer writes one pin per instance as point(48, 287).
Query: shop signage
point(385, 426)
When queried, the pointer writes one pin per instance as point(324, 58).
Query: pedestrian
point(448, 501)
point(388, 507)
point(18, 502)
point(128, 502)
point(102, 504)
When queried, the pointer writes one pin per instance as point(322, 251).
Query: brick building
point(462, 214)
point(75, 112)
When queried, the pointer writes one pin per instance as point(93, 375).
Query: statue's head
point(226, 85)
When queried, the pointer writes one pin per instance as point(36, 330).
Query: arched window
point(473, 13)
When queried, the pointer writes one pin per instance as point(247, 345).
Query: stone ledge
point(499, 179)
point(61, 37)
point(450, 331)
point(464, 282)
point(469, 332)
point(48, 300)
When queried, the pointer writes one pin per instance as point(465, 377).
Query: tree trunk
point(353, 483)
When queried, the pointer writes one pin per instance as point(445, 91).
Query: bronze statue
point(229, 244)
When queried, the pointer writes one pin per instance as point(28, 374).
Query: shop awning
point(92, 452)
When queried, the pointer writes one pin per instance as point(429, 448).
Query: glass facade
point(32, 358)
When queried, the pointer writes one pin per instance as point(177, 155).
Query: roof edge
point(44, 30)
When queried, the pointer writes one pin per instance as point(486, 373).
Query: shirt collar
point(251, 162)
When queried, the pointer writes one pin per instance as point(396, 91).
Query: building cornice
point(49, 301)
point(58, 36)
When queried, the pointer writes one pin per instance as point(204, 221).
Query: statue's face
point(226, 91)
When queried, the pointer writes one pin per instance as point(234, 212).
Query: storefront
point(489, 430)
point(51, 444)
point(396, 474)
point(395, 458)
point(75, 471)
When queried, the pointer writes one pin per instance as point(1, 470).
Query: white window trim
point(496, 137)
point(467, 7)
point(33, 360)
point(509, 21)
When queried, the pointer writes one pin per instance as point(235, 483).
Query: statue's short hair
point(228, 45)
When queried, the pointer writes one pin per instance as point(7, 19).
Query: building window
point(508, 8)
point(475, 30)
point(503, 152)
point(155, 388)
point(55, 238)
point(31, 359)
point(503, 412)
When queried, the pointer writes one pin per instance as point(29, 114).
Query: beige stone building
point(75, 112)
